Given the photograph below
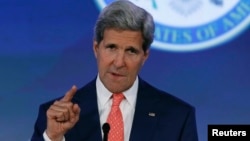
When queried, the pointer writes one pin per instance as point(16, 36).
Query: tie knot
point(117, 98)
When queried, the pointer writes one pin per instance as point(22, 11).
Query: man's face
point(119, 58)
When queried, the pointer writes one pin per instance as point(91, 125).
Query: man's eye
point(132, 50)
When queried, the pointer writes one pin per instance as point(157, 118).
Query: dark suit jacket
point(159, 116)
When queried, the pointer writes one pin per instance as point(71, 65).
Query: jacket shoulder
point(163, 97)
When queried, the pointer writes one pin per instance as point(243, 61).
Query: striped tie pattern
point(115, 120)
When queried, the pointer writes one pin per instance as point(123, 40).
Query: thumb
point(76, 109)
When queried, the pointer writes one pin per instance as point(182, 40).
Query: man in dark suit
point(123, 35)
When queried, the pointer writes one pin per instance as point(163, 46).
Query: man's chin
point(117, 88)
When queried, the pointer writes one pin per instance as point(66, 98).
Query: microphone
point(105, 129)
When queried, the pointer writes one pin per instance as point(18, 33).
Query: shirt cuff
point(46, 138)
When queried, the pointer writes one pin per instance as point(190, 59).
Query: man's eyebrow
point(132, 47)
point(110, 45)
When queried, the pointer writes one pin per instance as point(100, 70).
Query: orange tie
point(115, 120)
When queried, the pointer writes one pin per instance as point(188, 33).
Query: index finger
point(69, 95)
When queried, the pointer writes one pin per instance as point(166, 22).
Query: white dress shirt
point(104, 101)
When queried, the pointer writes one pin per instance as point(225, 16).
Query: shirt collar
point(103, 94)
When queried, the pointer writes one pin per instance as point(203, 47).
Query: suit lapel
point(145, 117)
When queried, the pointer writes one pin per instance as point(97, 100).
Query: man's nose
point(119, 60)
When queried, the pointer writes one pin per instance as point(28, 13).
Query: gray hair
point(124, 15)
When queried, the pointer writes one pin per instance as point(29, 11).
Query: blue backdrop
point(46, 47)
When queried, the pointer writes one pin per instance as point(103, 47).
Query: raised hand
point(62, 116)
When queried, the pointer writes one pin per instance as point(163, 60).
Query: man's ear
point(95, 48)
point(146, 54)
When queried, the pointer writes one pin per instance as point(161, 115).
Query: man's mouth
point(116, 74)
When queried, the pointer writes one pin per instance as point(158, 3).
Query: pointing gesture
point(69, 95)
point(62, 115)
